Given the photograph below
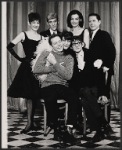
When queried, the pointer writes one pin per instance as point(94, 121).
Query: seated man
point(55, 85)
point(92, 83)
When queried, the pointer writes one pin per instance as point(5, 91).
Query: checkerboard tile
point(36, 139)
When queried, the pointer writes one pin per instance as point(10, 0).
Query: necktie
point(91, 32)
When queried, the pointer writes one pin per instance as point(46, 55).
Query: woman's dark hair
point(34, 16)
point(73, 12)
point(77, 38)
point(52, 36)
point(67, 35)
point(96, 15)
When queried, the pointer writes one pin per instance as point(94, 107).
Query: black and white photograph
point(60, 74)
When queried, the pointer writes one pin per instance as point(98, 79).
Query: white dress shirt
point(53, 32)
point(93, 34)
point(80, 59)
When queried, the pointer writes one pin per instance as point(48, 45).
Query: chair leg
point(106, 111)
point(84, 122)
point(45, 120)
point(66, 113)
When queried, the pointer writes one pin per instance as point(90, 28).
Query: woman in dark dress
point(75, 22)
point(24, 84)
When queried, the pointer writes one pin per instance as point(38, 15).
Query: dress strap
point(25, 34)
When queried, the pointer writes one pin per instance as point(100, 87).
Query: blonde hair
point(52, 16)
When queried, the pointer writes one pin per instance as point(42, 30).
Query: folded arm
point(64, 69)
point(40, 66)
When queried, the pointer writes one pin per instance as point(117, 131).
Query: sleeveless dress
point(24, 84)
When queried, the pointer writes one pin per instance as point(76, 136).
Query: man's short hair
point(53, 36)
point(96, 15)
point(52, 16)
point(77, 38)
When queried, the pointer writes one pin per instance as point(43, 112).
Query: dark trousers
point(79, 112)
point(54, 92)
point(108, 94)
point(92, 109)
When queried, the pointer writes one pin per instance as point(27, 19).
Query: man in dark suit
point(89, 82)
point(102, 48)
point(99, 60)
point(52, 20)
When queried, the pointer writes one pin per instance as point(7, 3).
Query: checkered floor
point(36, 139)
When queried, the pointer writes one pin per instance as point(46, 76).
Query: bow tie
point(54, 33)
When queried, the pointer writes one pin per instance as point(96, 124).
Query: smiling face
point(77, 46)
point(53, 24)
point(66, 43)
point(75, 20)
point(34, 25)
point(94, 23)
point(57, 44)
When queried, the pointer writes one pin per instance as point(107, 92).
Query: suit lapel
point(95, 37)
point(48, 32)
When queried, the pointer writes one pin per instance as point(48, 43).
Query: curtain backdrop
point(17, 21)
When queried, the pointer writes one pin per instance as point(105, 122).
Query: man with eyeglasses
point(92, 86)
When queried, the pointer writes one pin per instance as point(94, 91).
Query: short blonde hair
point(52, 16)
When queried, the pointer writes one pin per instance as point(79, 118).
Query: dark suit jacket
point(47, 33)
point(102, 47)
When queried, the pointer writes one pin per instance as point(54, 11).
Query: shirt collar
point(51, 31)
point(80, 53)
point(94, 32)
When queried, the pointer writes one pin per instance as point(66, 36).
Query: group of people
point(78, 69)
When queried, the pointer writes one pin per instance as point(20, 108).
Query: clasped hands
point(51, 59)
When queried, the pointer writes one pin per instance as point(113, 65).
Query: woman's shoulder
point(20, 37)
point(21, 34)
point(86, 31)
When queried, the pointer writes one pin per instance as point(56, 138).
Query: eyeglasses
point(78, 43)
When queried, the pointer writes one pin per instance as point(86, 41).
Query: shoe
point(69, 138)
point(108, 131)
point(79, 128)
point(72, 131)
point(97, 137)
point(48, 130)
point(25, 131)
point(58, 134)
point(36, 127)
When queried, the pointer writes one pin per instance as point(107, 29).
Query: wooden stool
point(59, 101)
